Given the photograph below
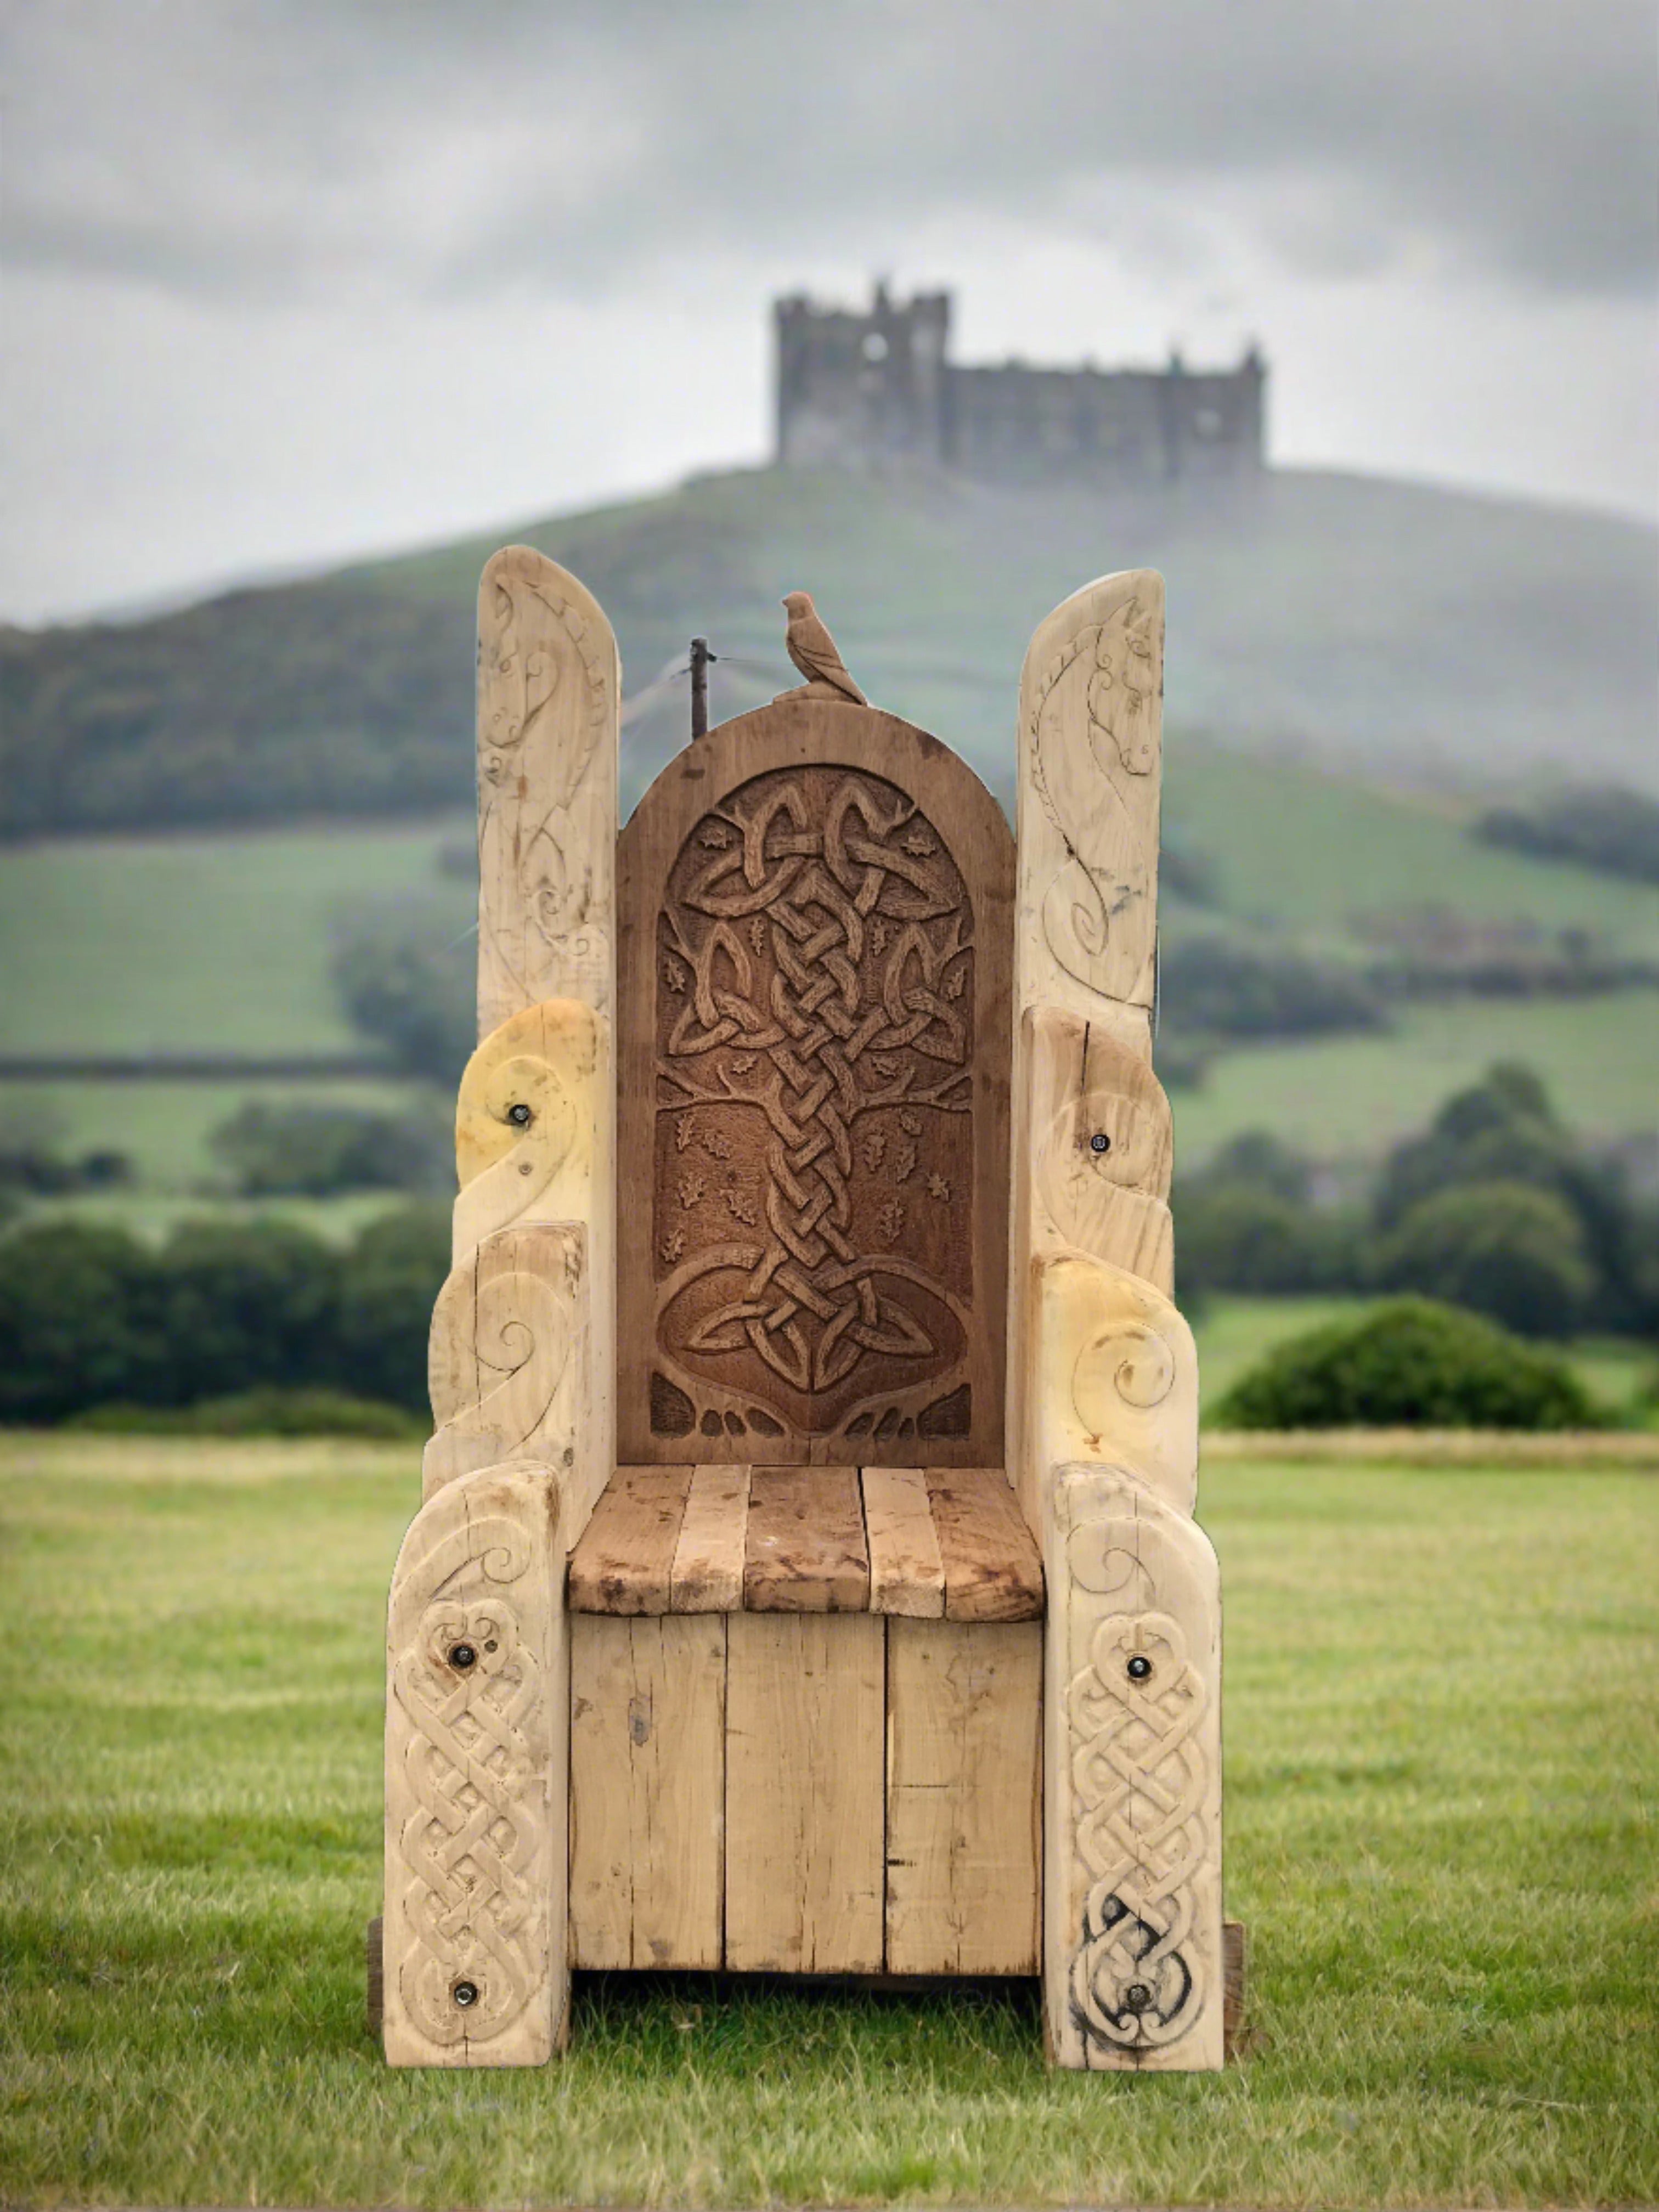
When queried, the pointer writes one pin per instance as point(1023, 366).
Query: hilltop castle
point(854, 390)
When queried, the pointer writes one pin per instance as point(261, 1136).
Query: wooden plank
point(738, 1341)
point(907, 1574)
point(625, 1560)
point(647, 1790)
point(803, 1793)
point(965, 1778)
point(478, 1655)
point(806, 1551)
point(992, 1568)
point(707, 1575)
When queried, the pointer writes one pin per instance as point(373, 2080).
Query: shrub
point(248, 1302)
point(1212, 986)
point(388, 1285)
point(314, 1149)
point(1409, 1364)
point(1514, 1253)
point(83, 1318)
point(268, 1412)
point(1241, 1237)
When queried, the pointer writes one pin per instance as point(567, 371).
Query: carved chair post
point(474, 1945)
point(1103, 1391)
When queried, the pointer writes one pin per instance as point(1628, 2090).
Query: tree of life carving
point(814, 1131)
point(1140, 1776)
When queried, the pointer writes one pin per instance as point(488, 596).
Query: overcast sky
point(293, 279)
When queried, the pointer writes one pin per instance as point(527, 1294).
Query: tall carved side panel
point(816, 905)
point(549, 687)
point(477, 1727)
point(1103, 1375)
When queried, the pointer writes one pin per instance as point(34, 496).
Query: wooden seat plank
point(907, 1574)
point(992, 1569)
point(625, 1560)
point(806, 1551)
point(708, 1571)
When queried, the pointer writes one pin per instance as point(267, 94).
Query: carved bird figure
point(812, 649)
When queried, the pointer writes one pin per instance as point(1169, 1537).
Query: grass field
point(1443, 1746)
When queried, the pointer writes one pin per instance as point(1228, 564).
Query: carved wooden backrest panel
point(814, 993)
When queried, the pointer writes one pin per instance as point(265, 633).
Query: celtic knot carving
point(1140, 1776)
point(814, 1047)
point(470, 1689)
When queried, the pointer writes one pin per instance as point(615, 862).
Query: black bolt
point(1100, 1142)
point(1137, 1997)
point(466, 1995)
point(463, 1656)
point(1138, 1668)
point(520, 1116)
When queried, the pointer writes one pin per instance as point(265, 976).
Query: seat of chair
point(946, 1543)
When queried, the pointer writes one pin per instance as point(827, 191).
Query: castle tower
point(854, 389)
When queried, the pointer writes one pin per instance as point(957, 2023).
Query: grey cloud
point(267, 147)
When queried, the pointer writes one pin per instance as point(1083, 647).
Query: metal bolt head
point(466, 1995)
point(520, 1116)
point(1137, 1997)
point(1139, 1668)
point(463, 1656)
point(1100, 1142)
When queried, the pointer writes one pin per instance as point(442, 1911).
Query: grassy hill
point(1401, 632)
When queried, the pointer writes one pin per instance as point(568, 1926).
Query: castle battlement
point(855, 389)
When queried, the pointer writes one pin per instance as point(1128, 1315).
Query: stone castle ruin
point(854, 389)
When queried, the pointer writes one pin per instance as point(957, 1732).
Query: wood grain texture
point(993, 1570)
point(1101, 1149)
point(708, 1559)
point(647, 1790)
point(623, 1562)
point(907, 1574)
point(815, 906)
point(963, 1797)
point(1133, 1967)
point(1115, 1375)
point(805, 1794)
point(549, 687)
point(506, 1366)
point(477, 1767)
point(806, 1551)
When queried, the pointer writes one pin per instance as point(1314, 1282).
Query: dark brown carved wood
point(815, 909)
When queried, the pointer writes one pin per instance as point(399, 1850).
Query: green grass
point(1443, 1746)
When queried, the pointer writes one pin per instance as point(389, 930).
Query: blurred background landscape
point(1410, 979)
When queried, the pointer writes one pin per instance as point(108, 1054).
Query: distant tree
point(1240, 1236)
point(1409, 1364)
point(315, 1148)
point(1213, 987)
point(1614, 830)
point(404, 973)
point(83, 1320)
point(248, 1302)
point(1503, 1250)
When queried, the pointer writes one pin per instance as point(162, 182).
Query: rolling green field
point(1442, 1765)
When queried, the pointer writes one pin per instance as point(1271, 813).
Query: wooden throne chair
point(806, 1579)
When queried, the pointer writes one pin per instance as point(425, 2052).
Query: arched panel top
point(815, 909)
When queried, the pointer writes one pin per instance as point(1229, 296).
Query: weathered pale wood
point(1115, 1375)
point(623, 1562)
point(647, 1790)
point(907, 1574)
point(507, 1365)
point(992, 1568)
point(549, 687)
point(708, 1574)
point(528, 1119)
point(1101, 1148)
point(805, 1552)
point(803, 1793)
point(1133, 1969)
point(477, 1767)
point(815, 907)
point(963, 1797)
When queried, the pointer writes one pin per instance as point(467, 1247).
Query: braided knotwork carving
point(474, 1763)
point(1140, 1776)
point(815, 1142)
